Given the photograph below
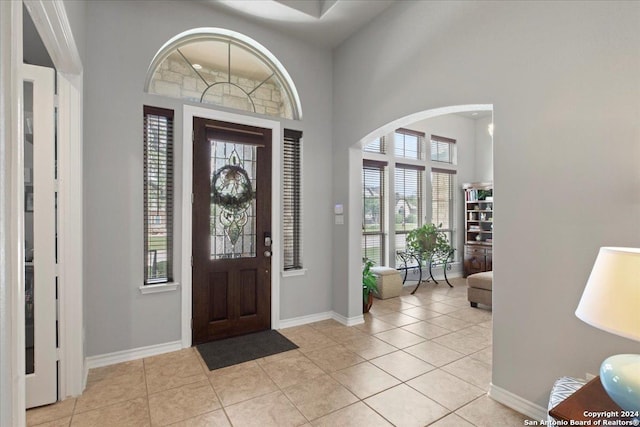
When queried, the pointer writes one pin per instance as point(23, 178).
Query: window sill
point(293, 273)
point(161, 287)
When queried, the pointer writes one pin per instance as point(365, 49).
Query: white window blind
point(442, 200)
point(292, 200)
point(158, 195)
point(408, 200)
point(442, 149)
point(373, 210)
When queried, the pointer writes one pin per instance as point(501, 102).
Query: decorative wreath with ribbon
point(231, 188)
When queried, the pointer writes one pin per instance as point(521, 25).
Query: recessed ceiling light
point(197, 66)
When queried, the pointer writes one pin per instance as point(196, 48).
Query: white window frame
point(384, 166)
point(453, 204)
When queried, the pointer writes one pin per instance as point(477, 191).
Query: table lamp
point(611, 302)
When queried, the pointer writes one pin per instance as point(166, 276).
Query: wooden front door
point(231, 230)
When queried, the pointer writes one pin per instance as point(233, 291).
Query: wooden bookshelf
point(478, 224)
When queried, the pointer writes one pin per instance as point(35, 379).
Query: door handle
point(267, 254)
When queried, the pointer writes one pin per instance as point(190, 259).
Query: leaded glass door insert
point(231, 234)
point(233, 207)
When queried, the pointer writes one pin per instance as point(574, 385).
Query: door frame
point(189, 112)
point(52, 23)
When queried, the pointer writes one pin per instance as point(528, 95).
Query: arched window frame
point(235, 38)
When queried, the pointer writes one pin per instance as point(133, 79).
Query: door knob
point(267, 254)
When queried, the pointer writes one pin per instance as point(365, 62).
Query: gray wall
point(122, 39)
point(563, 79)
point(484, 150)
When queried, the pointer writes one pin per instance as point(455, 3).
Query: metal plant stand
point(414, 261)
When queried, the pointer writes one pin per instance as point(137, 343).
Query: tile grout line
point(146, 387)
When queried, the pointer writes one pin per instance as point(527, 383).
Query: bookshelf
point(478, 224)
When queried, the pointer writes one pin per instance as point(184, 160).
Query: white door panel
point(40, 228)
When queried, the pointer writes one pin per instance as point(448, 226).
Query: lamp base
point(620, 377)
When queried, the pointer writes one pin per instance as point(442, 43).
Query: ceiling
point(475, 115)
point(325, 23)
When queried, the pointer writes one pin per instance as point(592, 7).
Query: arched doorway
point(355, 189)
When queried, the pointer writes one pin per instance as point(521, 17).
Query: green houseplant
point(369, 285)
point(428, 241)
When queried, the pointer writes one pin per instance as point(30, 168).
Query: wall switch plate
point(338, 209)
point(339, 219)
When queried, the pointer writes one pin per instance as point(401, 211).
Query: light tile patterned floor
point(418, 360)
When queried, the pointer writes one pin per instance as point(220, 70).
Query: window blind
point(442, 199)
point(378, 145)
point(442, 149)
point(292, 200)
point(408, 200)
point(373, 218)
point(158, 195)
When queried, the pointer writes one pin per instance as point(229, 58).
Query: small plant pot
point(366, 306)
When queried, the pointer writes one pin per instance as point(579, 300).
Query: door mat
point(231, 351)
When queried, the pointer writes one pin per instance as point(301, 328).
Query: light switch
point(339, 219)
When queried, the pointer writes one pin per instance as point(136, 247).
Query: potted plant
point(369, 285)
point(428, 241)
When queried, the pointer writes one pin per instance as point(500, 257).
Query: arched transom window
point(215, 66)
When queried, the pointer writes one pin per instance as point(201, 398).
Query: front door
point(231, 230)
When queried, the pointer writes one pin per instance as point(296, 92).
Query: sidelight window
point(292, 200)
point(373, 210)
point(158, 195)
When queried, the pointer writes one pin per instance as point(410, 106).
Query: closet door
point(40, 235)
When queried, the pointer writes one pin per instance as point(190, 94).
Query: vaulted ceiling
point(324, 23)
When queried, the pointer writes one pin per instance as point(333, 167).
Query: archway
point(355, 191)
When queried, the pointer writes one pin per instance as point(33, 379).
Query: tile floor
point(418, 360)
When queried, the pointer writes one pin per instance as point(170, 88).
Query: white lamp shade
point(611, 299)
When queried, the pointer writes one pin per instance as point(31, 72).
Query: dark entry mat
point(231, 351)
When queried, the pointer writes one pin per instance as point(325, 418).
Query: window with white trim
point(442, 200)
point(292, 200)
point(378, 145)
point(158, 195)
point(408, 201)
point(443, 149)
point(222, 68)
point(373, 210)
point(409, 144)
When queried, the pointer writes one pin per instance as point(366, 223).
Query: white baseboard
point(303, 320)
point(153, 350)
point(517, 403)
point(311, 318)
point(348, 321)
point(133, 354)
